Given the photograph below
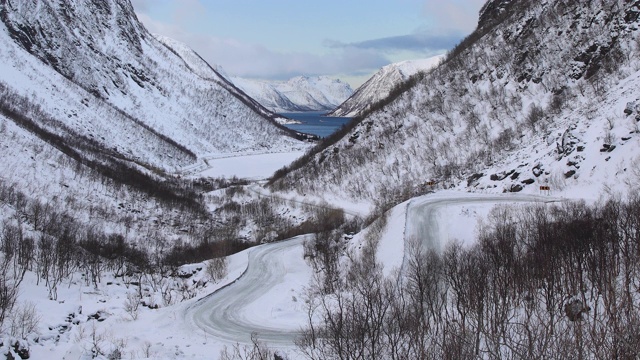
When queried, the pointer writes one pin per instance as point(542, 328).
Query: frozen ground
point(251, 166)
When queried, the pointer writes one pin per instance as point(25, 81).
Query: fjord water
point(313, 122)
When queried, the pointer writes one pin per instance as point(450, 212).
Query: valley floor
point(264, 292)
point(257, 166)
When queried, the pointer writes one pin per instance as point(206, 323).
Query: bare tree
point(8, 297)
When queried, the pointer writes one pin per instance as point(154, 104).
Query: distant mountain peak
point(300, 93)
point(380, 84)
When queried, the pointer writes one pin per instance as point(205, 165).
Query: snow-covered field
point(251, 166)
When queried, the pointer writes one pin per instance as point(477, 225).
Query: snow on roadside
point(457, 221)
point(390, 251)
point(66, 332)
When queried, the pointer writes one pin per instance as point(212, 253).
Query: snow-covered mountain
point(301, 93)
point(380, 85)
point(116, 61)
point(98, 117)
point(541, 94)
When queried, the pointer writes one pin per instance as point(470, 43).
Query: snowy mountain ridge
point(198, 65)
point(301, 93)
point(381, 83)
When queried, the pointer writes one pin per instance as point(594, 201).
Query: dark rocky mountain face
point(493, 11)
point(76, 38)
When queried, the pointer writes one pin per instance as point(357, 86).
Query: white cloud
point(448, 22)
point(256, 61)
point(142, 6)
point(188, 11)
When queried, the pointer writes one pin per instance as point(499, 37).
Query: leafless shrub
point(24, 321)
point(146, 350)
point(536, 113)
point(132, 304)
point(256, 351)
point(217, 268)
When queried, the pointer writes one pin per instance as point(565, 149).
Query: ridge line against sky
point(280, 39)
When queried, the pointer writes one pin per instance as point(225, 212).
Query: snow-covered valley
point(483, 204)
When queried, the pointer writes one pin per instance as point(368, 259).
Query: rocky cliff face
point(492, 12)
point(75, 37)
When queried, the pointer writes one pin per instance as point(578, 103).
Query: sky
point(280, 39)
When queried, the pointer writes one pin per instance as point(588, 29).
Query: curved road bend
point(230, 313)
point(422, 214)
point(225, 315)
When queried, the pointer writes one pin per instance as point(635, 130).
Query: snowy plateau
point(482, 205)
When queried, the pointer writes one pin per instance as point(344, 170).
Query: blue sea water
point(314, 123)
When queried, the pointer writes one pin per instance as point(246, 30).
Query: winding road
point(422, 214)
point(263, 300)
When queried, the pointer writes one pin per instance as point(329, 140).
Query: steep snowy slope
point(301, 93)
point(97, 117)
point(536, 96)
point(112, 64)
point(379, 86)
point(206, 71)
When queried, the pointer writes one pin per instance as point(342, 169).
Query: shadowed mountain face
point(381, 84)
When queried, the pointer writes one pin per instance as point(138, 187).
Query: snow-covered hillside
point(379, 86)
point(120, 72)
point(97, 118)
point(301, 93)
point(535, 97)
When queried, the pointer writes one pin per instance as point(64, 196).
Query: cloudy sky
point(279, 39)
